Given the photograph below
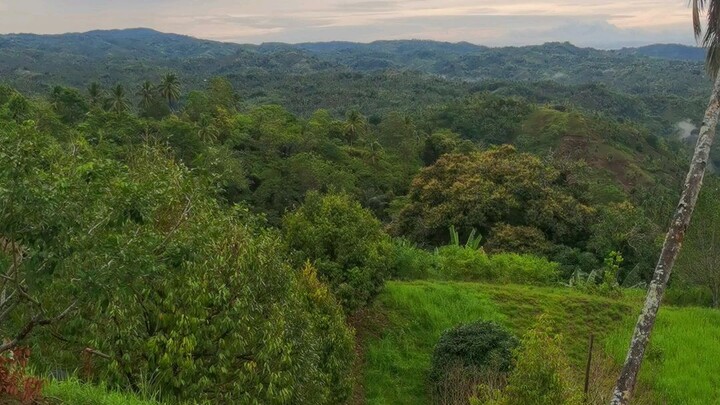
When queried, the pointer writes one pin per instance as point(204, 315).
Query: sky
point(596, 23)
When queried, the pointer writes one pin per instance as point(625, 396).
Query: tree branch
point(36, 321)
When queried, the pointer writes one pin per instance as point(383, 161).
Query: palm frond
point(711, 39)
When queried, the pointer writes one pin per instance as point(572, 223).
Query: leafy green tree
point(69, 104)
point(441, 143)
point(221, 94)
point(19, 108)
point(517, 239)
point(484, 189)
point(169, 88)
point(345, 242)
point(31, 217)
point(165, 280)
point(624, 228)
point(485, 118)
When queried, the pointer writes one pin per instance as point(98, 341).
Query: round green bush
point(481, 346)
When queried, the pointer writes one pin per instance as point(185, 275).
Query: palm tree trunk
point(671, 248)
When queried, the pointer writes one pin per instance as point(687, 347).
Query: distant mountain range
point(668, 51)
point(382, 75)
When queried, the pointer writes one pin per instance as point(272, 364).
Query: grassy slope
point(681, 364)
point(414, 314)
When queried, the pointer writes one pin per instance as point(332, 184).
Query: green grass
point(73, 392)
point(417, 312)
point(681, 364)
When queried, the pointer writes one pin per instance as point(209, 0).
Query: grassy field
point(682, 363)
point(409, 317)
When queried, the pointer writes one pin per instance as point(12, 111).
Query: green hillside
point(402, 327)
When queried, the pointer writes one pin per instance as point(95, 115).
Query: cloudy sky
point(597, 23)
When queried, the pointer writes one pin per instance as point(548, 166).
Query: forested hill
point(36, 63)
point(668, 51)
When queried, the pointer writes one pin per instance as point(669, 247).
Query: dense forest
point(186, 221)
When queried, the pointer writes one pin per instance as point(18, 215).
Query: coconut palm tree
point(681, 219)
point(711, 39)
point(170, 88)
point(207, 132)
point(146, 94)
point(355, 126)
point(95, 92)
point(118, 101)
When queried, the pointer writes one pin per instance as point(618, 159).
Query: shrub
point(411, 262)
point(524, 269)
point(345, 242)
point(459, 263)
point(541, 374)
point(682, 295)
point(15, 383)
point(477, 348)
point(601, 281)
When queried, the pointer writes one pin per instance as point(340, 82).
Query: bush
point(541, 374)
point(477, 348)
point(15, 381)
point(681, 295)
point(345, 242)
point(458, 263)
point(411, 262)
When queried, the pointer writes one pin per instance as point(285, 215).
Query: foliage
point(458, 263)
point(413, 263)
point(602, 281)
point(69, 104)
point(517, 239)
point(480, 346)
point(485, 118)
point(166, 281)
point(76, 392)
point(345, 242)
point(15, 381)
point(487, 188)
point(541, 373)
point(473, 240)
point(442, 143)
point(467, 263)
point(699, 261)
point(623, 227)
